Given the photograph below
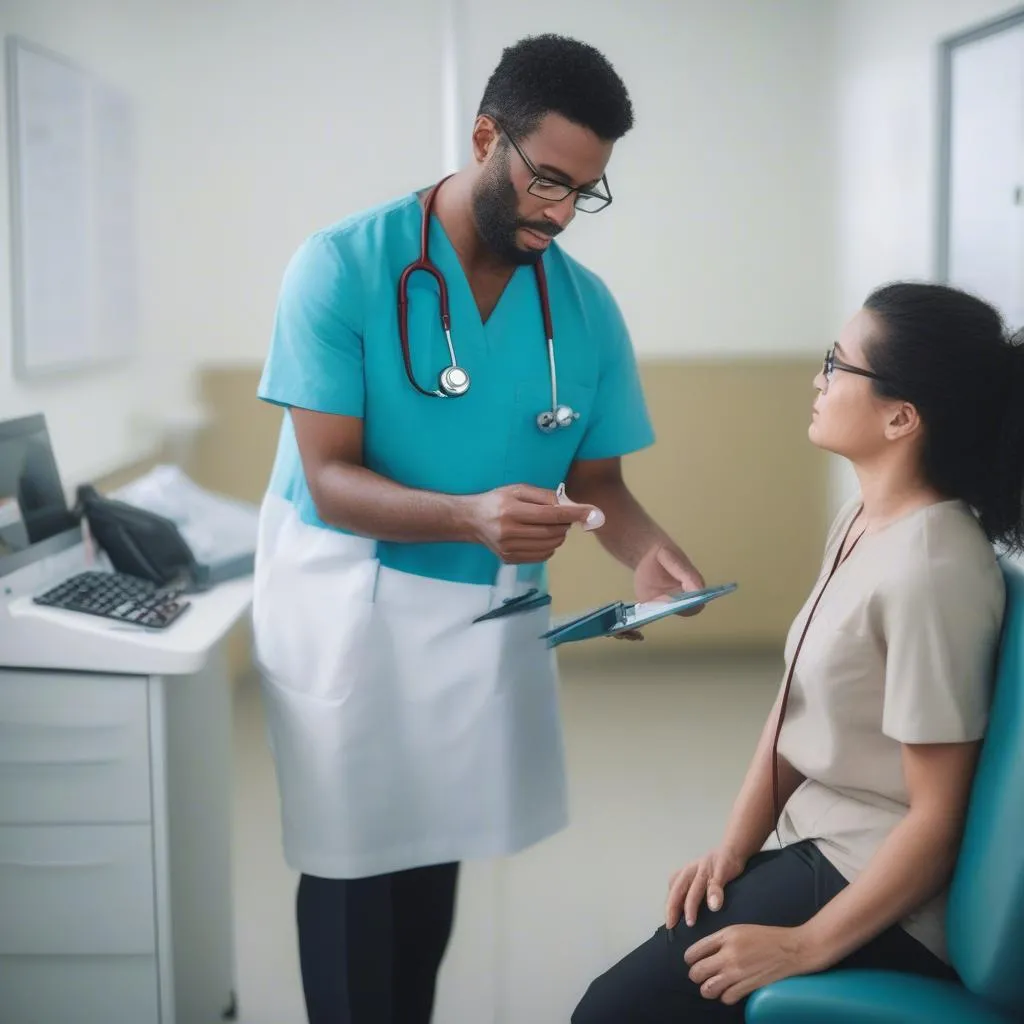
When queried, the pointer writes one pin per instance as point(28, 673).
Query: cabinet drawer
point(73, 749)
point(77, 890)
point(81, 989)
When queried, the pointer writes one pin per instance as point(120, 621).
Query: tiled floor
point(656, 751)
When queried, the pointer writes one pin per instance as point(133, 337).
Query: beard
point(496, 215)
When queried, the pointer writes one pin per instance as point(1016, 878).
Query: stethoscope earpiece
point(453, 380)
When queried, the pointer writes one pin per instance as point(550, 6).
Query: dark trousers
point(370, 948)
point(779, 887)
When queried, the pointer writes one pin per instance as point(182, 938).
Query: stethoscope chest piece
point(453, 381)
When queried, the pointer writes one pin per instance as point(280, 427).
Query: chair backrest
point(985, 920)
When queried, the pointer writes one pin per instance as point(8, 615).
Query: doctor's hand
point(523, 524)
point(665, 570)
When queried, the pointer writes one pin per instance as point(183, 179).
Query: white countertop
point(34, 636)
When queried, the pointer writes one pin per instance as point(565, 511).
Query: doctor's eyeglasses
point(589, 200)
point(832, 363)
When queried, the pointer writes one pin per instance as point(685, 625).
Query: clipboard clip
point(526, 601)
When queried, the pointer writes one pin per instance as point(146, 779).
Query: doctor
point(431, 415)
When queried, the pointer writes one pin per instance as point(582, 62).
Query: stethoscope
point(453, 380)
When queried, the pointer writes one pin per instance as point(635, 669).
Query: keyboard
point(114, 595)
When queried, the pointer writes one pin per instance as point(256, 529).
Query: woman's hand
point(700, 879)
point(733, 962)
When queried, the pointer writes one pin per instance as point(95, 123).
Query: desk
point(115, 814)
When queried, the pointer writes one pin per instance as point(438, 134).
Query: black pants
point(779, 887)
point(370, 948)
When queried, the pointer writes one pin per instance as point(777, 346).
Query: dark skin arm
point(521, 524)
point(630, 535)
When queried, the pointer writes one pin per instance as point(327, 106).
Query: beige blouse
point(901, 650)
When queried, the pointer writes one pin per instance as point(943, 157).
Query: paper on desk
point(215, 527)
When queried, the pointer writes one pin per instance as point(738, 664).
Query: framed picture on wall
point(74, 251)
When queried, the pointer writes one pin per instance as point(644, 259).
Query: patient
point(870, 748)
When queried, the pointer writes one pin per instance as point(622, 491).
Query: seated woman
point(870, 747)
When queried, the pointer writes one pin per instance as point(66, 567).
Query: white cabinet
point(73, 748)
point(78, 990)
point(115, 884)
point(79, 890)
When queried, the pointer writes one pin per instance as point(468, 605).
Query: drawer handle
point(61, 865)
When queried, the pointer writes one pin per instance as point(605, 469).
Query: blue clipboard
point(620, 617)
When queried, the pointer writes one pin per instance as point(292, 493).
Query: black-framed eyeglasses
point(588, 200)
point(831, 364)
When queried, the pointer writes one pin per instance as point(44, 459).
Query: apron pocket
point(526, 662)
point(312, 622)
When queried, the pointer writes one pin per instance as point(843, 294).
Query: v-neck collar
point(443, 254)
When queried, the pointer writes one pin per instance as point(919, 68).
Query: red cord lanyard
point(840, 559)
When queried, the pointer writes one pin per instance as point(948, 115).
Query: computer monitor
point(34, 517)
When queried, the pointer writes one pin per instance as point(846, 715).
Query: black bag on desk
point(143, 544)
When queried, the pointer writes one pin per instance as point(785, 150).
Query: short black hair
point(552, 74)
point(951, 355)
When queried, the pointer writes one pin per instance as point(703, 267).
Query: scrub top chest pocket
point(543, 459)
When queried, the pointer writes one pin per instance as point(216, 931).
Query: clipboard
point(620, 617)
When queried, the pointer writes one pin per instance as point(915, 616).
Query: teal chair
point(985, 919)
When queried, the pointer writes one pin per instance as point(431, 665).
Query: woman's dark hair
point(551, 74)
point(950, 355)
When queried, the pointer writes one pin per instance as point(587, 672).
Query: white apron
point(403, 734)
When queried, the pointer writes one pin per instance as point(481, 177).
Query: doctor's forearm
point(629, 531)
point(355, 498)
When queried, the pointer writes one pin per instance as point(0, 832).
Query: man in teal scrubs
point(403, 505)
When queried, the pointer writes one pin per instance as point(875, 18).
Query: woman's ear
point(903, 422)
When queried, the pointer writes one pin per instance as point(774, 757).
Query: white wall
point(719, 242)
point(764, 190)
point(92, 417)
point(887, 125)
point(258, 121)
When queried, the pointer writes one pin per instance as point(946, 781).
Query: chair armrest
point(868, 997)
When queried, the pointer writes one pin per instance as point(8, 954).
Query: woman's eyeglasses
point(832, 364)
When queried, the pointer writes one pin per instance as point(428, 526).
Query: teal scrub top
point(336, 349)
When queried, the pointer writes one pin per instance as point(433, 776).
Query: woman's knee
point(600, 1005)
point(643, 986)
